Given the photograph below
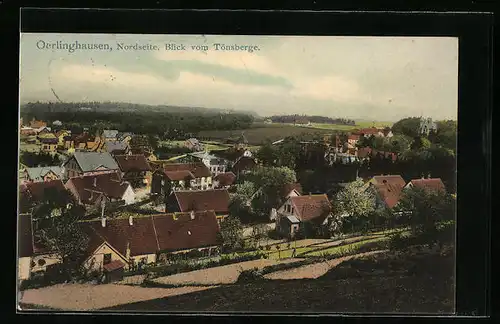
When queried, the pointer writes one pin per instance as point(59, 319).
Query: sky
point(370, 78)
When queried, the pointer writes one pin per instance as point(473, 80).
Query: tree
point(231, 234)
point(240, 201)
point(423, 209)
point(400, 143)
point(60, 232)
point(353, 203)
point(259, 232)
point(407, 126)
point(420, 143)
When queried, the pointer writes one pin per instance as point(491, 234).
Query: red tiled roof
point(311, 207)
point(198, 169)
point(179, 175)
point(389, 188)
point(198, 200)
point(113, 265)
point(38, 124)
point(148, 235)
point(184, 232)
point(109, 184)
point(244, 163)
point(35, 190)
point(431, 184)
point(133, 163)
point(226, 178)
point(354, 137)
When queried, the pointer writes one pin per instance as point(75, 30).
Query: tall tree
point(407, 126)
point(231, 234)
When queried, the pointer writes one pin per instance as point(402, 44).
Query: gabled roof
point(90, 187)
point(197, 169)
point(244, 163)
point(185, 233)
point(48, 140)
point(429, 184)
point(115, 146)
point(289, 187)
point(389, 188)
point(37, 174)
point(150, 234)
point(198, 200)
point(179, 175)
point(136, 162)
point(311, 207)
point(90, 161)
point(113, 265)
point(35, 190)
point(226, 178)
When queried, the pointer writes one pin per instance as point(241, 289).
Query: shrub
point(250, 275)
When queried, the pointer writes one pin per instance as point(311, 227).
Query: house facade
point(94, 190)
point(216, 200)
point(48, 144)
point(41, 174)
point(215, 164)
point(433, 184)
point(180, 176)
point(89, 163)
point(134, 169)
point(302, 212)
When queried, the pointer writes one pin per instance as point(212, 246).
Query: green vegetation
point(343, 249)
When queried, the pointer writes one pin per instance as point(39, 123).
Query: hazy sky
point(375, 78)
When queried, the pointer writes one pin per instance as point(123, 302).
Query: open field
point(258, 135)
point(24, 147)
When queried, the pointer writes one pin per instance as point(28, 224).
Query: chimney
point(103, 221)
point(130, 221)
point(192, 214)
point(95, 181)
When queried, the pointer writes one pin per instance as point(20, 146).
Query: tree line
point(313, 119)
point(166, 125)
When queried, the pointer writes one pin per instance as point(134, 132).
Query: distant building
point(57, 123)
point(193, 144)
point(427, 125)
point(89, 163)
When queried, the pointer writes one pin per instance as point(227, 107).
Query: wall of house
point(150, 258)
point(49, 260)
point(24, 270)
point(72, 168)
point(50, 176)
point(129, 196)
point(95, 262)
point(70, 186)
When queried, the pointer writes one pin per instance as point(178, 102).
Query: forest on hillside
point(290, 119)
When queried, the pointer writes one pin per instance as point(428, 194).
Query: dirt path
point(84, 297)
point(218, 275)
point(315, 270)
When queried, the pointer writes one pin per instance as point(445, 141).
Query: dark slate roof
point(90, 161)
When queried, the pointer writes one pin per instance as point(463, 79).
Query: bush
point(250, 275)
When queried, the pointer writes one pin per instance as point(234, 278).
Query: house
point(149, 156)
point(434, 184)
point(180, 176)
point(215, 164)
point(199, 200)
point(92, 190)
point(37, 123)
point(367, 132)
point(193, 144)
point(27, 131)
point(33, 257)
point(300, 212)
point(125, 137)
point(364, 153)
point(48, 144)
point(353, 139)
point(387, 132)
point(243, 165)
point(134, 169)
point(232, 154)
point(110, 134)
point(42, 130)
point(387, 189)
point(127, 243)
point(61, 137)
point(224, 180)
point(116, 147)
point(41, 174)
point(89, 163)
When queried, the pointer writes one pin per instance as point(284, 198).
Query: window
point(41, 262)
point(291, 210)
point(107, 258)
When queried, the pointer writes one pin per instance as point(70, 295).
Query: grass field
point(23, 147)
point(258, 135)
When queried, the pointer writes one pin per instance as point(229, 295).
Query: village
point(140, 216)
